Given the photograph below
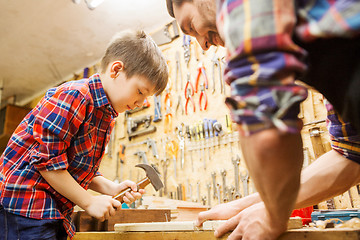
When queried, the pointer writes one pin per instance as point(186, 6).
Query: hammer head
point(152, 175)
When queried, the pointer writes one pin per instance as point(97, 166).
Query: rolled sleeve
point(56, 163)
point(262, 64)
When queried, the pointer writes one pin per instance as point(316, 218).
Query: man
point(270, 44)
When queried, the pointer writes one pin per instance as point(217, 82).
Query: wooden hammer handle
point(140, 185)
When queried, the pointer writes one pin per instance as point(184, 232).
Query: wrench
point(236, 163)
point(182, 144)
point(245, 181)
point(223, 175)
point(213, 175)
point(198, 191)
point(218, 192)
point(209, 193)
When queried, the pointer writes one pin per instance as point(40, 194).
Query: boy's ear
point(115, 68)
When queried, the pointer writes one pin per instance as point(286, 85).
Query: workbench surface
point(296, 234)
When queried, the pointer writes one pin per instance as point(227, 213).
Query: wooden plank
point(184, 226)
point(84, 222)
point(298, 234)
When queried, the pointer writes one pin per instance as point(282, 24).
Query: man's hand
point(227, 210)
point(253, 223)
point(102, 207)
point(131, 196)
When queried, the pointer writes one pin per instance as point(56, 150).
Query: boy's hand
point(131, 196)
point(102, 207)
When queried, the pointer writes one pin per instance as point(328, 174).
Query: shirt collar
point(99, 96)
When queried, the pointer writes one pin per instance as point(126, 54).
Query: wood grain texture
point(299, 234)
point(294, 223)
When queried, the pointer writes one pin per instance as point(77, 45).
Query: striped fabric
point(344, 138)
point(68, 129)
point(263, 60)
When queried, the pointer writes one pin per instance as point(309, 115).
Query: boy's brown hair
point(140, 55)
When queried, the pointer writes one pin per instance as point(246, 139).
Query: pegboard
point(194, 174)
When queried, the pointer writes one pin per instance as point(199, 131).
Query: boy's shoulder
point(72, 87)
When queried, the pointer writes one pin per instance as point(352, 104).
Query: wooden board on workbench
point(294, 223)
point(84, 222)
point(298, 234)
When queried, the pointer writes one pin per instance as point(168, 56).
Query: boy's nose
point(205, 45)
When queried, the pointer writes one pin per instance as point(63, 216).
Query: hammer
point(151, 177)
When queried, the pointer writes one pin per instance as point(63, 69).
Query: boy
point(54, 154)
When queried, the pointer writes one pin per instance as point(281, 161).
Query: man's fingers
point(236, 234)
point(203, 216)
point(227, 226)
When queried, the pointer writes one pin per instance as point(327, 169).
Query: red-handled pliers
point(188, 83)
point(203, 95)
point(201, 71)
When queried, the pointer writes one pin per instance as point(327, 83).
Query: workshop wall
point(202, 157)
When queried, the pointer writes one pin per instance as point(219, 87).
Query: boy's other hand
point(102, 207)
point(131, 196)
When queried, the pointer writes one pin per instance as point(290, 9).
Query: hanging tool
point(201, 71)
point(224, 187)
point(165, 163)
point(200, 128)
point(245, 181)
point(181, 138)
point(186, 46)
point(236, 163)
point(207, 136)
point(189, 85)
point(151, 177)
point(119, 161)
point(151, 143)
point(203, 96)
point(188, 135)
point(213, 176)
point(179, 105)
point(172, 148)
point(208, 186)
point(168, 115)
point(157, 108)
point(133, 124)
point(189, 99)
point(216, 64)
point(178, 71)
point(189, 92)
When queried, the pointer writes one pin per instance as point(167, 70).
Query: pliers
point(201, 71)
point(188, 83)
point(189, 98)
point(203, 95)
